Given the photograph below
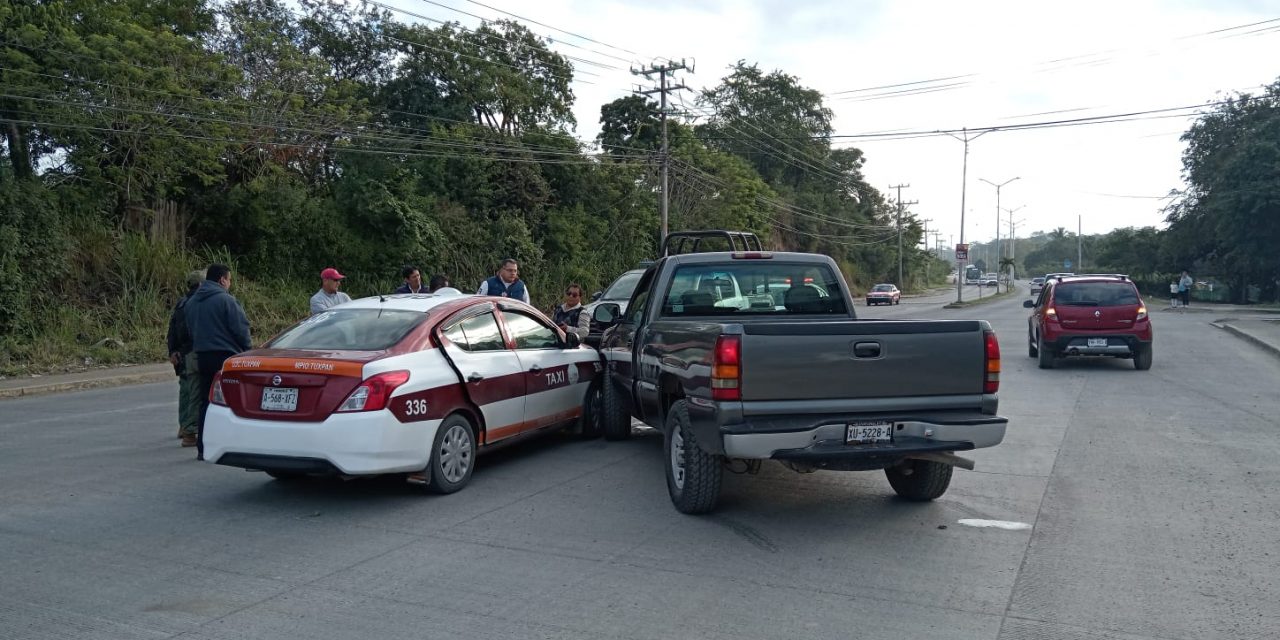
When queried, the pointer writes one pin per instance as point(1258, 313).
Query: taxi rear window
point(349, 329)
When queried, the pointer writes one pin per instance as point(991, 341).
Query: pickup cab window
point(753, 288)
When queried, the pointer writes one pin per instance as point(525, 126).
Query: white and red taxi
point(415, 384)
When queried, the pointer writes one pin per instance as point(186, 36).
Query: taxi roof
point(423, 302)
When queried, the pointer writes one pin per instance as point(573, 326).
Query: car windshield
point(622, 288)
point(882, 287)
point(349, 330)
point(1095, 294)
point(754, 287)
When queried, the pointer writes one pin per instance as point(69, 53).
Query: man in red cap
point(328, 295)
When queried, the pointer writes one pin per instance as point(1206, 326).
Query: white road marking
point(997, 524)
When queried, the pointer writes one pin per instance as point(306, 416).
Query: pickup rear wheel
point(693, 475)
point(616, 422)
point(919, 480)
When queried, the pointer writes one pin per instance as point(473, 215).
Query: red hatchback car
point(1089, 315)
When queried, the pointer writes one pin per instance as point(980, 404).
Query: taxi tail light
point(373, 394)
point(991, 379)
point(215, 391)
point(726, 369)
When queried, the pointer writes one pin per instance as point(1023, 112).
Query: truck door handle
point(866, 350)
point(535, 369)
point(475, 377)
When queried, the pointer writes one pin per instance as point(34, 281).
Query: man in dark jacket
point(506, 283)
point(183, 360)
point(219, 330)
point(412, 281)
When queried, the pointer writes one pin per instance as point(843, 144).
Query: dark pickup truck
point(748, 355)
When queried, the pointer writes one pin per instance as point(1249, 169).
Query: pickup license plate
point(279, 399)
point(865, 432)
point(1097, 342)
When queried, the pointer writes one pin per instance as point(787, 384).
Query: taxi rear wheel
point(453, 455)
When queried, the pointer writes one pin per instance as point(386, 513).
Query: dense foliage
point(144, 138)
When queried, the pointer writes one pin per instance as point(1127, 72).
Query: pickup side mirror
point(596, 296)
point(606, 314)
point(571, 340)
point(1028, 304)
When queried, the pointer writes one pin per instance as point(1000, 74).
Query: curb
point(81, 385)
point(979, 301)
point(1266, 346)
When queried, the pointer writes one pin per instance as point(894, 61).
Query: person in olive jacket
point(219, 330)
point(183, 360)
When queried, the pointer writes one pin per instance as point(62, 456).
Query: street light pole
point(998, 218)
point(964, 184)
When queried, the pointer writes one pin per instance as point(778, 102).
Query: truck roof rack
point(676, 241)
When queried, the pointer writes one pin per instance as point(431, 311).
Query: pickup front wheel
point(919, 480)
point(693, 475)
point(616, 420)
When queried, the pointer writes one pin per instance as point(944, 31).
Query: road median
point(977, 301)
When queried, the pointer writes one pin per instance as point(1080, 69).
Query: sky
point(1010, 63)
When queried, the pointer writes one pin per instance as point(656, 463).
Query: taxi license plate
point(279, 399)
point(1097, 342)
point(864, 432)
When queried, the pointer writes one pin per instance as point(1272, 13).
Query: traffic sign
point(962, 252)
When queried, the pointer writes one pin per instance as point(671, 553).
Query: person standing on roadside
point(568, 313)
point(183, 359)
point(506, 283)
point(438, 282)
point(219, 330)
point(1184, 288)
point(328, 295)
point(412, 281)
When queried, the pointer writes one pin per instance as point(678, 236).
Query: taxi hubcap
point(455, 453)
point(677, 458)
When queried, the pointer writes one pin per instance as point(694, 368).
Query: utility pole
point(964, 184)
point(925, 234)
point(1013, 242)
point(663, 88)
point(1079, 244)
point(901, 283)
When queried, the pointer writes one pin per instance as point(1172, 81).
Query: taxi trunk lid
point(291, 384)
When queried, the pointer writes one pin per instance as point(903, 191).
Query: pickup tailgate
point(861, 359)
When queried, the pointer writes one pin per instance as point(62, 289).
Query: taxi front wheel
point(453, 455)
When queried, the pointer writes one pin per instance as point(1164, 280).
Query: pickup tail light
point(751, 255)
point(991, 381)
point(1142, 313)
point(373, 394)
point(215, 391)
point(726, 369)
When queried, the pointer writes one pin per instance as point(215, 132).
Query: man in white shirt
point(328, 295)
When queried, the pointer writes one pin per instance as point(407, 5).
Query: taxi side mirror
point(571, 340)
point(1028, 304)
point(606, 314)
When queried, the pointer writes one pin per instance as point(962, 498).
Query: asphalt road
point(1152, 496)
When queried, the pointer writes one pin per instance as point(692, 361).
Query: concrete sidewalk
point(1262, 331)
point(91, 379)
